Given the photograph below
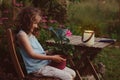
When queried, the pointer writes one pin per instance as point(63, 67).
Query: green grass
point(111, 58)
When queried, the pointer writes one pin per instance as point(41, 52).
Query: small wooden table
point(87, 54)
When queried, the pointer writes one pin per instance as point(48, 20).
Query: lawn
point(110, 58)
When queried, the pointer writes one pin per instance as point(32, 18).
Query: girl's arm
point(23, 39)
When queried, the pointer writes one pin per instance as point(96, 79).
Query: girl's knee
point(67, 77)
point(74, 74)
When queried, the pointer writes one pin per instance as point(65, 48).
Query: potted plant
point(63, 48)
point(60, 35)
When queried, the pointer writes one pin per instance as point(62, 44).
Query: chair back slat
point(13, 54)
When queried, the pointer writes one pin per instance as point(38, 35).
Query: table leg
point(73, 65)
point(93, 69)
point(86, 59)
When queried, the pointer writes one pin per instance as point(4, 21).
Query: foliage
point(5, 21)
point(43, 36)
point(48, 22)
point(59, 35)
point(52, 8)
point(75, 0)
point(92, 15)
point(110, 57)
point(113, 29)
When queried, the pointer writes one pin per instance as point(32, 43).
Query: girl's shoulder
point(21, 33)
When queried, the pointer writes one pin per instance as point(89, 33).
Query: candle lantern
point(88, 37)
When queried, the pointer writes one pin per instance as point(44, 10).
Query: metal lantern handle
point(88, 38)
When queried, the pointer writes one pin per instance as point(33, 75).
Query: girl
point(35, 58)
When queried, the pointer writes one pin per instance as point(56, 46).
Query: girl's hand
point(58, 58)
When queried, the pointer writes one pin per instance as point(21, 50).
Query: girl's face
point(35, 23)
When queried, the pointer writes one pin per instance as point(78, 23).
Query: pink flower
point(44, 20)
point(17, 4)
point(52, 21)
point(4, 18)
point(1, 22)
point(5, 11)
point(61, 26)
point(45, 27)
point(68, 33)
point(44, 17)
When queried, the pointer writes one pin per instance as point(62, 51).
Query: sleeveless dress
point(30, 63)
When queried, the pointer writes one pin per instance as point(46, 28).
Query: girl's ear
point(33, 20)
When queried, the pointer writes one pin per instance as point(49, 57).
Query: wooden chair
point(16, 61)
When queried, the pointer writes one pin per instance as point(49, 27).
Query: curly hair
point(25, 18)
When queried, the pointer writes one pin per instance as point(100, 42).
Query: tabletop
point(76, 41)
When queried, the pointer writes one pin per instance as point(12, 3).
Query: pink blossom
point(52, 21)
point(17, 4)
point(44, 20)
point(44, 17)
point(68, 33)
point(45, 27)
point(5, 11)
point(1, 22)
point(4, 18)
point(61, 26)
point(0, 19)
